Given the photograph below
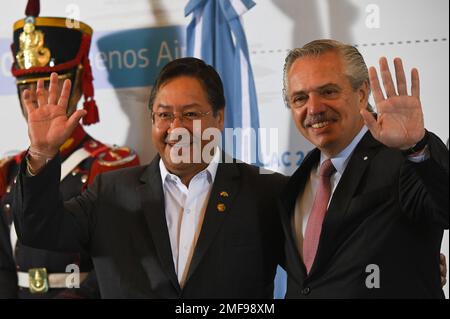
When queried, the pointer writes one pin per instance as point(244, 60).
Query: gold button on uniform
point(221, 207)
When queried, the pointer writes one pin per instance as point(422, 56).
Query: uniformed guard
point(43, 45)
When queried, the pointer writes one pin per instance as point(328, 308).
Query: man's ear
point(220, 116)
point(363, 95)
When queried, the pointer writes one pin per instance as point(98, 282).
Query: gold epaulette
point(4, 161)
point(117, 156)
point(112, 158)
point(4, 167)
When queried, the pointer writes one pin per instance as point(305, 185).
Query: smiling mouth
point(320, 124)
point(179, 144)
point(176, 140)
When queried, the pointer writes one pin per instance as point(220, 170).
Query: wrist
point(36, 160)
point(40, 154)
point(418, 147)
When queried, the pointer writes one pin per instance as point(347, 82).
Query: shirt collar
point(340, 161)
point(210, 170)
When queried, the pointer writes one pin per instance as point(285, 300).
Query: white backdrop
point(134, 38)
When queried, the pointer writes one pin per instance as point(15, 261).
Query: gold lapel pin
point(224, 194)
point(221, 207)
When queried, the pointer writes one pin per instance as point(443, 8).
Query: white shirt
point(185, 209)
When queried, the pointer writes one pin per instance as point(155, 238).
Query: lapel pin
point(365, 158)
point(224, 194)
point(221, 207)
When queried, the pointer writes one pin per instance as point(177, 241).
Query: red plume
point(90, 106)
point(33, 8)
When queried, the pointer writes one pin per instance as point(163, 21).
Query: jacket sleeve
point(424, 186)
point(41, 217)
point(8, 276)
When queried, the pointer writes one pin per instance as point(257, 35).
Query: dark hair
point(196, 68)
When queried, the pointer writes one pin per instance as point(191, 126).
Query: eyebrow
point(327, 85)
point(164, 106)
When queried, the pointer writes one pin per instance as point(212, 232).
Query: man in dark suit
point(364, 214)
point(183, 226)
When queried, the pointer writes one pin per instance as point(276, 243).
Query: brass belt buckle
point(38, 280)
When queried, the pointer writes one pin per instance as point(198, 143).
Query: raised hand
point(48, 124)
point(400, 118)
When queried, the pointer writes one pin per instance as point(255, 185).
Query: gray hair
point(355, 66)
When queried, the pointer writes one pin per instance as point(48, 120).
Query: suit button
point(306, 291)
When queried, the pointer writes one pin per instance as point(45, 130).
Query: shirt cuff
point(419, 157)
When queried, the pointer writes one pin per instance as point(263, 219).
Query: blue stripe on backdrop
point(216, 35)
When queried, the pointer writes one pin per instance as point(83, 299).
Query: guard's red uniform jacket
point(27, 272)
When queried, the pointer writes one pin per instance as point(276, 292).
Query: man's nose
point(315, 104)
point(177, 121)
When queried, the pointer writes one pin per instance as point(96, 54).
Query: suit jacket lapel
point(152, 200)
point(288, 199)
point(333, 231)
point(223, 193)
